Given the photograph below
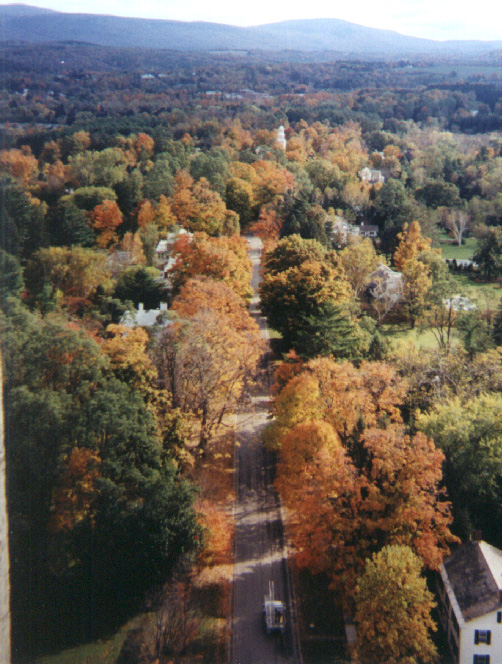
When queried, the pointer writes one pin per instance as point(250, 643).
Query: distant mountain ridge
point(25, 23)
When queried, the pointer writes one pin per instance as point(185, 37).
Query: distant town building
point(165, 247)
point(371, 175)
point(459, 303)
point(281, 138)
point(342, 231)
point(146, 317)
point(469, 588)
point(368, 230)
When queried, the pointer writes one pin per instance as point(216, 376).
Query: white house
point(470, 606)
point(342, 230)
point(164, 247)
point(146, 317)
point(371, 175)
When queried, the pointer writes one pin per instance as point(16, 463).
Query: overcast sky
point(434, 19)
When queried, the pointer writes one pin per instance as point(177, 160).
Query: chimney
point(141, 307)
point(163, 306)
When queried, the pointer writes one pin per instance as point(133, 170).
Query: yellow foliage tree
point(359, 259)
point(393, 610)
point(411, 243)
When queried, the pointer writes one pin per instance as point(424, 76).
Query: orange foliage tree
point(74, 497)
point(222, 259)
point(268, 227)
point(346, 397)
point(272, 182)
point(196, 206)
point(145, 213)
point(343, 509)
point(411, 243)
point(21, 164)
point(203, 293)
point(351, 484)
point(105, 218)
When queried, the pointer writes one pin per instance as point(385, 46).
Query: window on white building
point(482, 636)
point(481, 659)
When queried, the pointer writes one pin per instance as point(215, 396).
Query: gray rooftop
point(475, 574)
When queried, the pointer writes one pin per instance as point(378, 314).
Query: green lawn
point(484, 295)
point(487, 297)
point(422, 338)
point(466, 251)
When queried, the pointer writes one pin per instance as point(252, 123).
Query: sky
point(432, 19)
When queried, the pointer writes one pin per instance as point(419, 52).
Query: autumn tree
point(105, 219)
point(349, 503)
point(411, 243)
point(202, 293)
point(416, 273)
point(126, 349)
point(164, 217)
point(416, 286)
point(204, 363)
point(356, 196)
point(20, 164)
point(359, 260)
point(393, 610)
point(145, 213)
point(196, 206)
point(341, 394)
point(75, 271)
point(133, 245)
point(222, 259)
point(272, 182)
point(267, 228)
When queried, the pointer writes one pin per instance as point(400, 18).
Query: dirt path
point(260, 554)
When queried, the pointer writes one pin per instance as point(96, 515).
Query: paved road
point(259, 542)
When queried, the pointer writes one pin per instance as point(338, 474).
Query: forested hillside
point(129, 183)
point(33, 24)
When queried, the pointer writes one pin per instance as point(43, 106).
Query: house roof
point(474, 571)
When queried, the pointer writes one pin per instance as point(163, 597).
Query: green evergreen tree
point(330, 330)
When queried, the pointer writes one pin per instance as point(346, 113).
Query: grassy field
point(484, 295)
point(466, 251)
point(422, 338)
